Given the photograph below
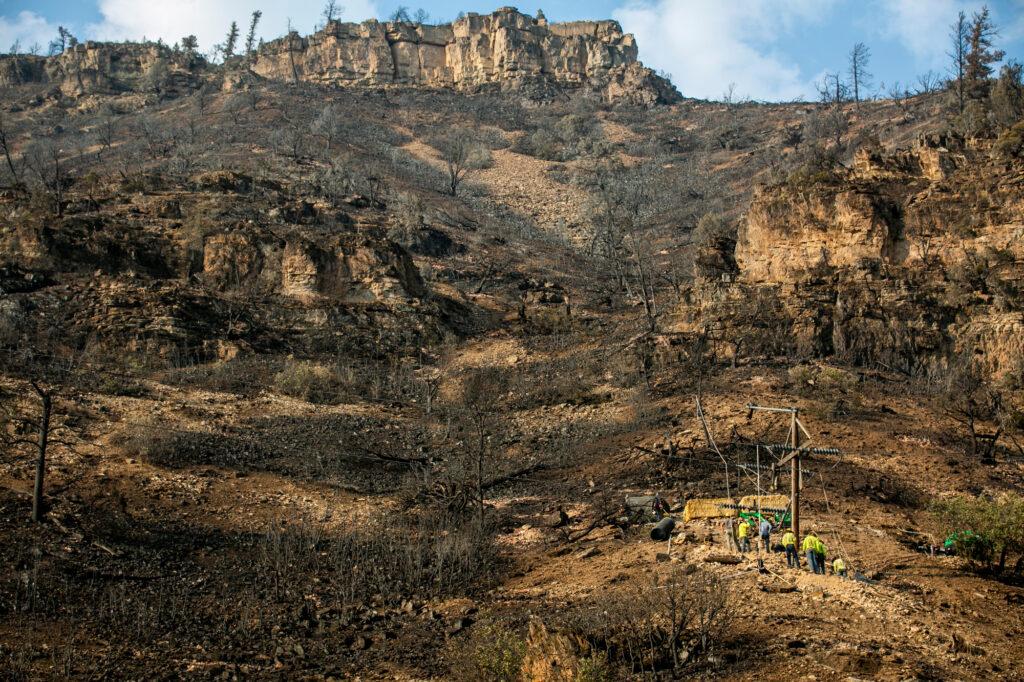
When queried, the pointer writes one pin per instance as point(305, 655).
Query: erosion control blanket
point(709, 509)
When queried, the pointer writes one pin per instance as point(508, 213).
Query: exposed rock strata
point(103, 68)
point(909, 254)
point(506, 49)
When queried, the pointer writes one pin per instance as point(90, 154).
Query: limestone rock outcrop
point(340, 269)
point(505, 49)
point(104, 68)
point(909, 254)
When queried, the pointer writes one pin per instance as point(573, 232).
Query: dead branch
point(538, 466)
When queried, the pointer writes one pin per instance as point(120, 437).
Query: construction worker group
point(812, 547)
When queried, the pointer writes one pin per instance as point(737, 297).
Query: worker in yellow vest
point(744, 535)
point(789, 544)
point(821, 551)
point(839, 567)
point(810, 548)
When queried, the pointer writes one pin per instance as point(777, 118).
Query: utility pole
point(794, 475)
point(795, 450)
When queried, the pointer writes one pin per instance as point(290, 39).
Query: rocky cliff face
point(134, 274)
point(907, 254)
point(505, 49)
point(104, 68)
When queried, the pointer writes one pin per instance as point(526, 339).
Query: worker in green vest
point(789, 544)
point(839, 567)
point(821, 551)
point(810, 548)
point(744, 535)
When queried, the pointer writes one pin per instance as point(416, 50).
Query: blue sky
point(771, 49)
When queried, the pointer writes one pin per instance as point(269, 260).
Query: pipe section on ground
point(663, 529)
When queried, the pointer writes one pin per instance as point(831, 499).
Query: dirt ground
point(121, 521)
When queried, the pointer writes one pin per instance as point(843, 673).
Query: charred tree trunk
point(44, 436)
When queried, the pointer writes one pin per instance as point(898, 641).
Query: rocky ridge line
point(505, 50)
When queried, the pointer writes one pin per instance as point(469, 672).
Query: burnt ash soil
point(156, 572)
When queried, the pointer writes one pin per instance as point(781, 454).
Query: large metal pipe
point(663, 529)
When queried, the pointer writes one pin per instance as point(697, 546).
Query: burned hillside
point(377, 354)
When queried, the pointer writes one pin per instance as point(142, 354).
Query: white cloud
point(209, 20)
point(922, 26)
point(29, 28)
point(1015, 27)
point(708, 44)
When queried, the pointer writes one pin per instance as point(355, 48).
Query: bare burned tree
point(621, 206)
point(291, 38)
point(474, 429)
point(958, 34)
point(16, 426)
point(157, 76)
point(235, 107)
point(45, 365)
point(899, 94)
point(860, 77)
point(972, 401)
point(14, 52)
point(329, 125)
point(928, 83)
point(291, 139)
point(253, 97)
point(332, 10)
point(462, 155)
point(7, 146)
point(201, 100)
point(753, 323)
point(1007, 100)
point(832, 90)
point(45, 159)
point(159, 138)
point(106, 129)
point(400, 15)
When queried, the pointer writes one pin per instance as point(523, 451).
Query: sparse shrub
point(569, 137)
point(492, 654)
point(123, 386)
point(1007, 100)
point(552, 383)
point(594, 668)
point(892, 490)
point(1010, 144)
point(290, 139)
point(833, 389)
point(652, 627)
point(715, 241)
point(988, 531)
point(241, 375)
point(975, 120)
point(394, 556)
point(542, 144)
point(12, 321)
point(492, 139)
point(309, 381)
point(169, 447)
